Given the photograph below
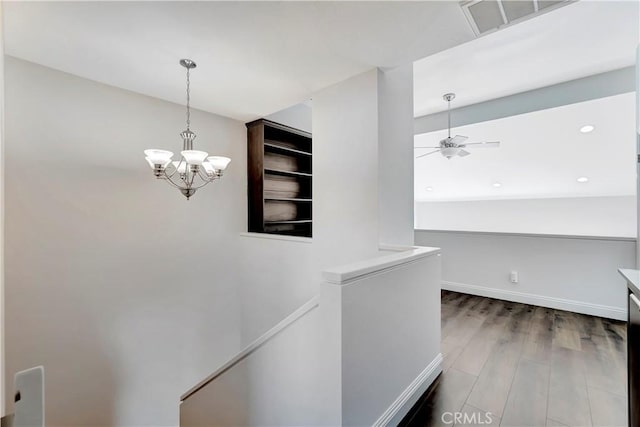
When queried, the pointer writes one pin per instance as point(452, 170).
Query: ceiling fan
point(450, 147)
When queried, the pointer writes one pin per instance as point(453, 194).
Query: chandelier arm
point(193, 177)
point(172, 174)
point(170, 181)
point(204, 176)
point(201, 185)
point(177, 168)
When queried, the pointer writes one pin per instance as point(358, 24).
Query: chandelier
point(195, 169)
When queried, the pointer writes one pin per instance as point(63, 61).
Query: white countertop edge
point(632, 276)
point(346, 273)
point(543, 235)
point(277, 237)
point(396, 248)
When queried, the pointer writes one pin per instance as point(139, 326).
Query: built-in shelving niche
point(280, 177)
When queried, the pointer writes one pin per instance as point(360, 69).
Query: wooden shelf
point(287, 199)
point(284, 150)
point(287, 173)
point(279, 168)
point(295, 221)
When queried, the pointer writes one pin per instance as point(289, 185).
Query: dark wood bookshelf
point(279, 179)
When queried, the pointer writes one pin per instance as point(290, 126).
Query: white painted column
point(363, 166)
point(345, 171)
point(395, 155)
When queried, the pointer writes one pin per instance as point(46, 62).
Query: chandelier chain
point(188, 100)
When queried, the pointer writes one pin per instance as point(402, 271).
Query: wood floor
point(526, 366)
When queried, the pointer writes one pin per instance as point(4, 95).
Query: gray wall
point(579, 90)
point(576, 274)
point(121, 288)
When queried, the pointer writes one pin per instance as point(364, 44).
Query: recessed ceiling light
point(429, 189)
point(582, 179)
point(497, 184)
point(587, 128)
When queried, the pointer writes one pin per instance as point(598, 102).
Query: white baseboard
point(606, 311)
point(398, 409)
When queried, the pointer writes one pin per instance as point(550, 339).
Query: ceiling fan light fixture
point(449, 152)
point(454, 146)
point(587, 128)
point(582, 179)
point(429, 188)
point(497, 184)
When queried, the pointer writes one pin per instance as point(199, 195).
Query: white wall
point(273, 386)
point(395, 155)
point(346, 361)
point(125, 291)
point(583, 216)
point(279, 275)
point(346, 134)
point(345, 169)
point(298, 116)
point(576, 274)
point(390, 335)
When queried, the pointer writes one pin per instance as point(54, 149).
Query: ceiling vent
point(486, 16)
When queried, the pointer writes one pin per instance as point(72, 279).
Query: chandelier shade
point(194, 157)
point(158, 157)
point(193, 170)
point(218, 162)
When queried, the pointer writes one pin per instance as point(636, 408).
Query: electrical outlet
point(513, 277)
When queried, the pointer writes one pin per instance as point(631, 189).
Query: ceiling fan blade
point(426, 154)
point(459, 139)
point(463, 153)
point(433, 148)
point(488, 144)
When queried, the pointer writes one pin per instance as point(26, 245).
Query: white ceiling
point(577, 40)
point(541, 155)
point(254, 58)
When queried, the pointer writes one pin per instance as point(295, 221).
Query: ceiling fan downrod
point(449, 97)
